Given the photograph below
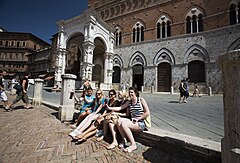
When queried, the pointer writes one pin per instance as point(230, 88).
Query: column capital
point(88, 45)
point(108, 55)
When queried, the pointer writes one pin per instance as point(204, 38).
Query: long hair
point(135, 91)
point(98, 101)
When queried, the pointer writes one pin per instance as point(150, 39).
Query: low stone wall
point(179, 148)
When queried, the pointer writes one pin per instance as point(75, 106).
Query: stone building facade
point(15, 47)
point(156, 44)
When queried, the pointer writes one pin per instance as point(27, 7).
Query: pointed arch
point(117, 61)
point(164, 55)
point(137, 59)
point(196, 52)
point(235, 45)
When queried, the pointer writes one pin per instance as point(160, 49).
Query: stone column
point(66, 108)
point(87, 63)
point(37, 92)
point(13, 91)
point(61, 53)
point(106, 67)
point(230, 65)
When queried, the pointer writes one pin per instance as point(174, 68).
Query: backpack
point(18, 88)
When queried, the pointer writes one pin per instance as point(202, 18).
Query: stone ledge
point(191, 148)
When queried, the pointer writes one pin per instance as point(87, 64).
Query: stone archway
point(98, 60)
point(74, 56)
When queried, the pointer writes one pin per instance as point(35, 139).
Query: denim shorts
point(142, 125)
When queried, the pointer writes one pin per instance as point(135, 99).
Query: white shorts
point(3, 96)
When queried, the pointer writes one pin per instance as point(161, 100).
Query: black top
point(26, 83)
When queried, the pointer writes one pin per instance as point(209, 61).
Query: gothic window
point(18, 44)
point(142, 33)
point(158, 30)
point(194, 21)
point(12, 43)
point(24, 44)
point(163, 27)
point(118, 37)
point(6, 43)
point(138, 32)
point(134, 35)
point(234, 14)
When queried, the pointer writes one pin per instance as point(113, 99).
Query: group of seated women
point(121, 115)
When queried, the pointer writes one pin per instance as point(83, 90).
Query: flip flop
point(80, 141)
point(129, 149)
point(111, 146)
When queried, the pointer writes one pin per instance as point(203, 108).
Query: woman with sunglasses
point(122, 96)
point(113, 102)
point(139, 111)
point(99, 109)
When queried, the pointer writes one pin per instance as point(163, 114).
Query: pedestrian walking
point(186, 90)
point(3, 96)
point(182, 91)
point(22, 91)
point(196, 91)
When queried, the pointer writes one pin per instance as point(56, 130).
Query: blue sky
point(38, 17)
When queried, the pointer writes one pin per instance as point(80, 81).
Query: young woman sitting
point(86, 108)
point(122, 96)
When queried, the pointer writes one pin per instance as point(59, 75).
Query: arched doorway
point(97, 71)
point(98, 61)
point(138, 73)
point(116, 77)
point(196, 71)
point(74, 55)
point(164, 77)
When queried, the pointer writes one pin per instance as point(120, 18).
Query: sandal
point(121, 145)
point(80, 141)
point(111, 146)
point(100, 138)
point(130, 149)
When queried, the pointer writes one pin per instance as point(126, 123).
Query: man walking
point(3, 95)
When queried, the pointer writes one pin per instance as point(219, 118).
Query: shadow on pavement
point(173, 102)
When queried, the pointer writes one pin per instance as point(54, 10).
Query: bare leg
point(127, 127)
point(114, 135)
point(81, 117)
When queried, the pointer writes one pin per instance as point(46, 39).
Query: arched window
point(234, 14)
point(158, 30)
point(142, 33)
point(200, 22)
point(134, 35)
point(118, 37)
point(138, 32)
point(194, 21)
point(163, 27)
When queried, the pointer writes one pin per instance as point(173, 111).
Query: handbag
point(147, 120)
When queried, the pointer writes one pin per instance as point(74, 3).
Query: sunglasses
point(111, 94)
point(98, 93)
